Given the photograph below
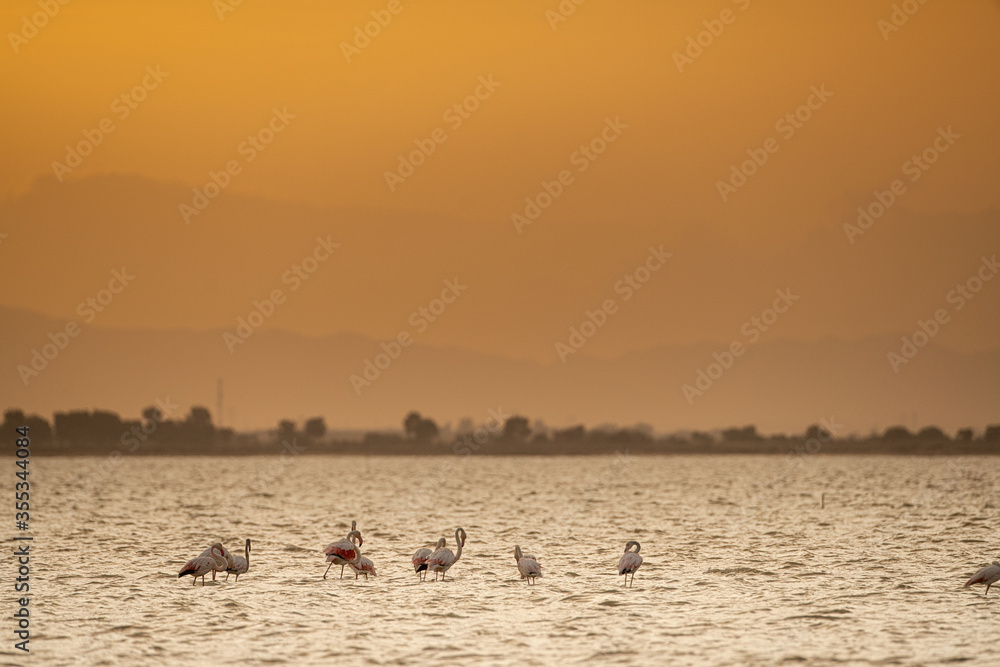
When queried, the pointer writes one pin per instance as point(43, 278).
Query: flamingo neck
point(458, 541)
point(357, 553)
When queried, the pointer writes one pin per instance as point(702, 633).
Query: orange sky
point(679, 134)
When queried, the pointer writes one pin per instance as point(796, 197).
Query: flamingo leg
point(237, 578)
point(342, 570)
point(227, 576)
point(213, 575)
point(987, 589)
point(327, 569)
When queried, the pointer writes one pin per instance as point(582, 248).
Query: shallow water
point(742, 564)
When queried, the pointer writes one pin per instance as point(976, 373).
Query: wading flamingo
point(363, 565)
point(342, 552)
point(442, 559)
point(207, 553)
point(202, 565)
point(989, 575)
point(630, 562)
point(240, 563)
point(527, 565)
point(420, 557)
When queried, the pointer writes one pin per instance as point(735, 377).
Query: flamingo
point(989, 575)
point(630, 562)
point(240, 564)
point(420, 557)
point(202, 565)
point(527, 565)
point(207, 553)
point(442, 559)
point(342, 552)
point(363, 565)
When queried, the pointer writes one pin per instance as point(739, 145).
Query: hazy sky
point(184, 86)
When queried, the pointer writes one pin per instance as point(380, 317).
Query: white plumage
point(420, 557)
point(240, 564)
point(441, 560)
point(202, 565)
point(527, 565)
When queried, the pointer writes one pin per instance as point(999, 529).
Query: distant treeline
point(105, 432)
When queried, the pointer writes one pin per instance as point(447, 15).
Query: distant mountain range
point(778, 385)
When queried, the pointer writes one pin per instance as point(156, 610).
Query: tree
point(965, 435)
point(992, 433)
point(411, 424)
point(39, 429)
point(741, 434)
point(152, 414)
point(897, 433)
point(200, 416)
point(286, 429)
point(516, 428)
point(817, 432)
point(419, 428)
point(427, 430)
point(931, 433)
point(198, 425)
point(315, 427)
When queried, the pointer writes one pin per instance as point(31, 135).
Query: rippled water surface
point(742, 563)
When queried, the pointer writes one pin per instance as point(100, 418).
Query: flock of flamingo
point(438, 560)
point(347, 552)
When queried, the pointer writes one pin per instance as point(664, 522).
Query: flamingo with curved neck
point(202, 565)
point(630, 562)
point(240, 564)
point(343, 552)
point(441, 560)
point(420, 557)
